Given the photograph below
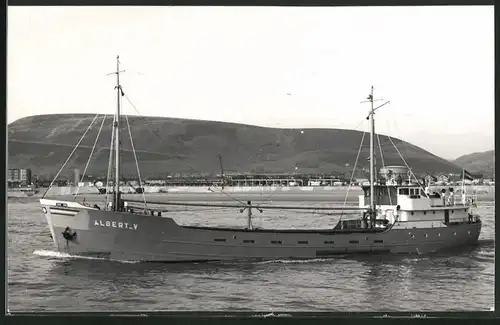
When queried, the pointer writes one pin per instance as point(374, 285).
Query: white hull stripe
point(62, 212)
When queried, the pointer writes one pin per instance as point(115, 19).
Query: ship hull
point(134, 237)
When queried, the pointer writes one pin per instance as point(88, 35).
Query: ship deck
point(293, 231)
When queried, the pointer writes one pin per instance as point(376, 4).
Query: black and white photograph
point(265, 160)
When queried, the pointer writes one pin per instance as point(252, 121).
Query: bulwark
point(114, 224)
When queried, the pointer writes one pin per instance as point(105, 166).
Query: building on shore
point(19, 176)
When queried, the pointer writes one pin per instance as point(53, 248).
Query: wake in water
point(65, 256)
point(306, 261)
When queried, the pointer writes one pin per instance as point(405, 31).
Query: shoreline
point(258, 193)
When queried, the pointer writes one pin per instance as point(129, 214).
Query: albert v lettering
point(114, 224)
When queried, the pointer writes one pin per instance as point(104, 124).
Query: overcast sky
point(268, 66)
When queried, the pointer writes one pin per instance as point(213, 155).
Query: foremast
point(116, 126)
point(372, 160)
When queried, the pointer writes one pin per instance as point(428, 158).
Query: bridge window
point(220, 240)
point(329, 242)
point(249, 241)
point(276, 242)
point(404, 191)
point(353, 241)
point(303, 242)
point(378, 241)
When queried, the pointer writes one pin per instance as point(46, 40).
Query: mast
point(372, 162)
point(117, 139)
point(116, 128)
point(372, 154)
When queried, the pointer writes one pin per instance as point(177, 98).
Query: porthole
point(234, 237)
point(468, 232)
point(439, 235)
point(409, 233)
point(433, 212)
point(425, 212)
point(412, 236)
point(412, 213)
point(426, 235)
point(454, 234)
point(366, 238)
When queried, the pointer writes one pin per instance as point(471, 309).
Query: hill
point(167, 145)
point(478, 162)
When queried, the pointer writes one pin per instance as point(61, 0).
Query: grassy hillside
point(164, 145)
point(479, 162)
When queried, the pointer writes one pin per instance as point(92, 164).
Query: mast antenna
point(370, 117)
point(116, 126)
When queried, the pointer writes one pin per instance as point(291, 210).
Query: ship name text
point(114, 224)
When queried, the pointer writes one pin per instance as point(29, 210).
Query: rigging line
point(273, 207)
point(110, 160)
point(71, 154)
point(409, 169)
point(90, 156)
point(131, 104)
point(383, 165)
point(197, 210)
point(136, 161)
point(313, 213)
point(352, 174)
